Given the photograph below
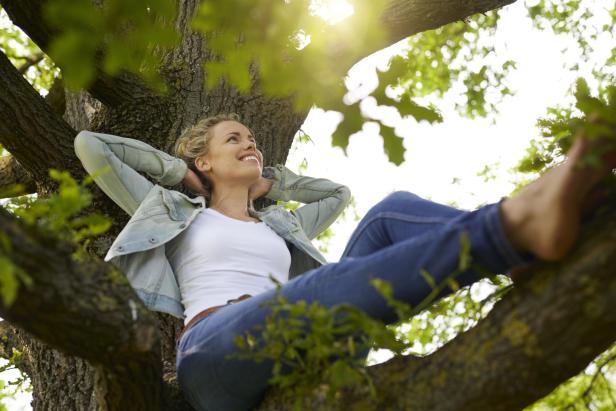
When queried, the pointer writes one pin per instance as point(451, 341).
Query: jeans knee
point(401, 195)
point(397, 200)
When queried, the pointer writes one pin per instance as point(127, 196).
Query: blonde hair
point(195, 140)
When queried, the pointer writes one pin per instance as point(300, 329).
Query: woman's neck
point(232, 202)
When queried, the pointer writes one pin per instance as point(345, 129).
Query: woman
point(207, 259)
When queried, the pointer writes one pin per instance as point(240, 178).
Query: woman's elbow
point(345, 195)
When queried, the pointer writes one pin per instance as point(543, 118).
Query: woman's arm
point(125, 156)
point(324, 200)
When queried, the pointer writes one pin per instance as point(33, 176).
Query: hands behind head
point(193, 183)
point(260, 188)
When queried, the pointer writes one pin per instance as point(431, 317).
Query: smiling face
point(232, 156)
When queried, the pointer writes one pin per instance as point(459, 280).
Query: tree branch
point(14, 338)
point(8, 340)
point(56, 98)
point(404, 18)
point(111, 91)
point(546, 330)
point(30, 61)
point(11, 172)
point(36, 136)
point(88, 309)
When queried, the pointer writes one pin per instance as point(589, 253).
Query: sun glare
point(332, 11)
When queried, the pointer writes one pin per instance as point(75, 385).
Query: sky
point(442, 160)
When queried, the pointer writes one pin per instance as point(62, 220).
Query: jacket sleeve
point(324, 200)
point(119, 159)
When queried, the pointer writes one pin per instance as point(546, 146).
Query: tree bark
point(88, 309)
point(403, 18)
point(11, 172)
point(27, 122)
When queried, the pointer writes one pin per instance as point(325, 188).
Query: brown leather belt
point(209, 311)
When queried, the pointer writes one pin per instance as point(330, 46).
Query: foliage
point(300, 46)
point(21, 383)
point(297, 47)
point(36, 66)
point(121, 34)
point(10, 275)
point(57, 215)
point(594, 117)
point(579, 20)
point(457, 52)
point(592, 389)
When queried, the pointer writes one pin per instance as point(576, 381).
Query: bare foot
point(544, 218)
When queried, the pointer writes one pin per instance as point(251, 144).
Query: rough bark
point(28, 122)
point(403, 18)
point(11, 172)
point(56, 98)
point(88, 309)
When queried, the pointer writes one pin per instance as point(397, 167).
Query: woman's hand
point(193, 183)
point(260, 188)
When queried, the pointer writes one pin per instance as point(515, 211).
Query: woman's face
point(232, 156)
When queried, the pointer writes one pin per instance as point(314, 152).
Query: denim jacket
point(159, 214)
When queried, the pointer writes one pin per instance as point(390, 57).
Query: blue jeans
point(397, 238)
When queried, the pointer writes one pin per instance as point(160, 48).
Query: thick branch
point(56, 98)
point(36, 136)
point(546, 330)
point(403, 18)
point(87, 309)
point(27, 14)
point(11, 172)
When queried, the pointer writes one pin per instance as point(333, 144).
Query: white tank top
point(218, 258)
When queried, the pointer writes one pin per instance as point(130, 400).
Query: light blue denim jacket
point(159, 214)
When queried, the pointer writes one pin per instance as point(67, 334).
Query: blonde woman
point(206, 258)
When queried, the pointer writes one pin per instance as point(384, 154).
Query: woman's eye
point(232, 138)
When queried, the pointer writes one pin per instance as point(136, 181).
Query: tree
point(85, 347)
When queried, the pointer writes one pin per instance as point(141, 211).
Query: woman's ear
point(202, 164)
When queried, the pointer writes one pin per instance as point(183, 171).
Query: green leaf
point(8, 281)
point(464, 259)
point(392, 144)
point(428, 278)
point(408, 107)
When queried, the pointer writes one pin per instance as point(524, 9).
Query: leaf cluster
point(122, 35)
point(9, 389)
point(434, 61)
point(59, 216)
point(22, 52)
point(593, 118)
point(593, 389)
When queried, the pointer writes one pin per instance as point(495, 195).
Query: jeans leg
point(399, 216)
point(213, 381)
